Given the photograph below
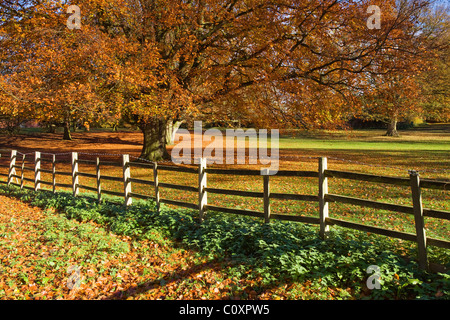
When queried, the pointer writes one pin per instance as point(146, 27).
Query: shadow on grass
point(171, 278)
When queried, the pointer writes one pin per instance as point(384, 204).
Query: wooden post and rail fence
point(323, 198)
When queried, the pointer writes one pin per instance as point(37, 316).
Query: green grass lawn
point(328, 144)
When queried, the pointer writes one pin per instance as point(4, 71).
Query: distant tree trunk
point(154, 147)
point(13, 126)
point(51, 128)
point(392, 128)
point(67, 135)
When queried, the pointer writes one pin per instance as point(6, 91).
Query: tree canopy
point(272, 63)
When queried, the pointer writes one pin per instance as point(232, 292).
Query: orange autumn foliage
point(278, 63)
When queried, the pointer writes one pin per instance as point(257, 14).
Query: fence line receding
point(323, 198)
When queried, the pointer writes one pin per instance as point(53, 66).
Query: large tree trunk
point(154, 147)
point(67, 135)
point(392, 128)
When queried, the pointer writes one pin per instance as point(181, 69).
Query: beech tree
point(296, 62)
point(435, 81)
point(207, 57)
point(393, 99)
point(51, 72)
point(410, 87)
point(12, 113)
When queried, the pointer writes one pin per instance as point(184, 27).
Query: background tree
point(435, 82)
point(12, 112)
point(393, 93)
point(394, 98)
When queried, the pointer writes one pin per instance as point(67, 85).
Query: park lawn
point(365, 151)
point(352, 144)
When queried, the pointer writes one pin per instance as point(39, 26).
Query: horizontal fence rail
point(18, 164)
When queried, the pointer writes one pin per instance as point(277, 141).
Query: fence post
point(156, 183)
point(22, 173)
point(418, 219)
point(54, 174)
point(99, 184)
point(202, 184)
point(323, 205)
point(12, 163)
point(37, 171)
point(266, 198)
point(126, 179)
point(75, 173)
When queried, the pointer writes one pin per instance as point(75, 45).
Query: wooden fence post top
point(202, 162)
point(413, 173)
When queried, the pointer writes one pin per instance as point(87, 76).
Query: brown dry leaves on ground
point(43, 255)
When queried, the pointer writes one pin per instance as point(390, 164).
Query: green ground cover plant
point(290, 255)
